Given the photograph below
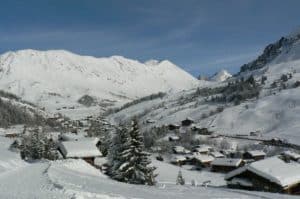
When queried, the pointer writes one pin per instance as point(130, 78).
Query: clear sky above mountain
point(202, 36)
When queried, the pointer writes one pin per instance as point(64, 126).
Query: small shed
point(187, 122)
point(180, 150)
point(271, 174)
point(178, 160)
point(225, 165)
point(255, 155)
point(202, 160)
point(291, 155)
point(216, 154)
point(85, 150)
point(202, 149)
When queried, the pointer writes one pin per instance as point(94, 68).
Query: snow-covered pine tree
point(180, 180)
point(119, 143)
point(36, 145)
point(135, 167)
point(49, 149)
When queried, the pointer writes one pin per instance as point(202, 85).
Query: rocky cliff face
point(272, 51)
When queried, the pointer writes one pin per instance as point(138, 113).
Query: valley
point(62, 116)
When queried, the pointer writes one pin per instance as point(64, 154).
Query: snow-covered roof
point(274, 169)
point(202, 148)
point(216, 154)
point(292, 155)
point(79, 149)
point(235, 172)
point(277, 171)
point(204, 158)
point(227, 162)
point(180, 149)
point(256, 153)
point(72, 136)
point(178, 158)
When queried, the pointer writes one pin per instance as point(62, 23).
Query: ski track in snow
point(76, 179)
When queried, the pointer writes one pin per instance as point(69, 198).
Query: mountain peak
point(221, 76)
point(59, 76)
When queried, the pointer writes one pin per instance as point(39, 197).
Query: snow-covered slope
point(58, 78)
point(221, 76)
point(275, 113)
point(75, 178)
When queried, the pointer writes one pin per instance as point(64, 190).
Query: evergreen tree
point(180, 180)
point(118, 144)
point(36, 145)
point(132, 164)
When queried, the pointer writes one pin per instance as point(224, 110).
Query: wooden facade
point(248, 155)
point(223, 168)
point(260, 183)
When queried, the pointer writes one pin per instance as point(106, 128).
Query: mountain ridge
point(58, 78)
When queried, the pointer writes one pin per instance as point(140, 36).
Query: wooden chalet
point(225, 165)
point(255, 155)
point(291, 155)
point(201, 160)
point(85, 150)
point(271, 174)
point(180, 150)
point(216, 154)
point(178, 160)
point(202, 149)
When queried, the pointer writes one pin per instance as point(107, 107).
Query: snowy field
point(76, 179)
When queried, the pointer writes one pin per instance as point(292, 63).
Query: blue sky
point(202, 36)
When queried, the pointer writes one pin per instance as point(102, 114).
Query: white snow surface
point(257, 153)
point(76, 179)
point(79, 149)
point(58, 78)
point(273, 114)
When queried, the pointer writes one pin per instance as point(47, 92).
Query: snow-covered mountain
point(221, 76)
point(274, 112)
point(57, 78)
